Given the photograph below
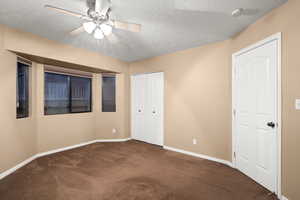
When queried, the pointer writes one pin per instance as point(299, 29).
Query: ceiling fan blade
point(77, 31)
point(91, 4)
point(68, 12)
point(105, 10)
point(127, 26)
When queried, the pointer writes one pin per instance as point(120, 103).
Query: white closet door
point(147, 107)
point(155, 117)
point(138, 106)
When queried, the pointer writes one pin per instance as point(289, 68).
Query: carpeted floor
point(127, 171)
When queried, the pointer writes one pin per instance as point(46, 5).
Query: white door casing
point(256, 103)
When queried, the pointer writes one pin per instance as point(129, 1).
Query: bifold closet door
point(138, 99)
point(147, 107)
point(155, 84)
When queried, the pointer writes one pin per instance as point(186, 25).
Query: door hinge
point(234, 155)
point(234, 112)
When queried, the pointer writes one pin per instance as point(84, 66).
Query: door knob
point(139, 110)
point(153, 112)
point(271, 124)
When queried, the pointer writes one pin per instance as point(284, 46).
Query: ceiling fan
point(97, 20)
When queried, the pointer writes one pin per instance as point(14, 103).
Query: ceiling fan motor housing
point(97, 17)
point(91, 4)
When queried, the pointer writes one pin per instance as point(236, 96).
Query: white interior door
point(147, 107)
point(255, 83)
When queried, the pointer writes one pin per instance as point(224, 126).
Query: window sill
point(23, 118)
point(68, 114)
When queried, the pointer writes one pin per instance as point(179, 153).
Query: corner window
point(108, 93)
point(67, 94)
point(22, 90)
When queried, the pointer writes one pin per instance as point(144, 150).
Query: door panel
point(255, 104)
point(138, 107)
point(155, 83)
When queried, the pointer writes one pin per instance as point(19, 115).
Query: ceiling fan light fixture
point(106, 29)
point(98, 34)
point(89, 27)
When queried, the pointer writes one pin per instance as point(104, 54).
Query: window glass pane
point(80, 94)
point(22, 90)
point(108, 94)
point(57, 94)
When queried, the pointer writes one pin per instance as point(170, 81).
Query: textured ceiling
point(168, 25)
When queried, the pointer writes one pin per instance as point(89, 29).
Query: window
point(108, 93)
point(80, 94)
point(22, 90)
point(57, 94)
point(67, 94)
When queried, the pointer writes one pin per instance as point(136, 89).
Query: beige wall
point(19, 41)
point(198, 92)
point(197, 98)
point(57, 131)
point(119, 120)
point(22, 138)
point(18, 139)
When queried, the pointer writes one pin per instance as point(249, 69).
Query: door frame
point(163, 104)
point(275, 37)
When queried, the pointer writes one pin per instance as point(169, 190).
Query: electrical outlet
point(114, 131)
point(194, 141)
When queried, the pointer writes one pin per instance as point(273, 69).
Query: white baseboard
point(25, 162)
point(225, 162)
point(284, 198)
point(65, 148)
point(18, 166)
point(114, 140)
point(80, 145)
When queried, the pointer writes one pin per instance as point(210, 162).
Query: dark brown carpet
point(127, 171)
